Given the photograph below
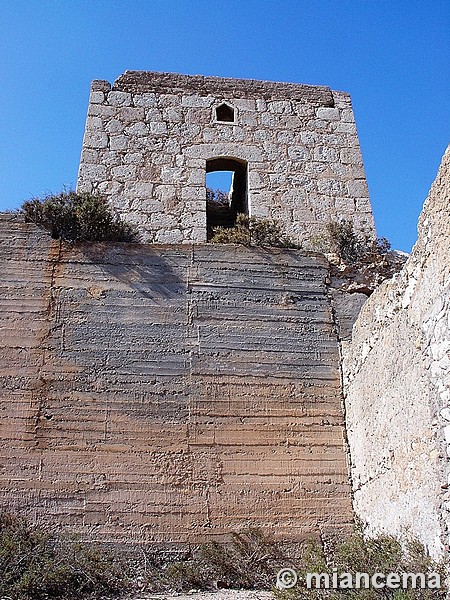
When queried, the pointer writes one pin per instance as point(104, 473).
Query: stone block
point(347, 116)
point(173, 175)
point(92, 172)
point(119, 99)
point(358, 187)
point(197, 219)
point(101, 110)
point(145, 100)
point(89, 156)
point(325, 154)
point(308, 138)
point(339, 169)
point(173, 115)
point(130, 114)
point(137, 129)
point(148, 205)
point(280, 107)
point(163, 221)
point(118, 142)
point(248, 118)
point(133, 158)
point(351, 156)
point(172, 236)
point(96, 97)
point(256, 180)
point(112, 159)
point(110, 187)
point(328, 114)
point(95, 139)
point(285, 137)
point(157, 128)
point(153, 114)
point(349, 128)
point(315, 167)
point(193, 193)
point(94, 124)
point(124, 173)
point(196, 177)
point(269, 120)
point(298, 153)
point(331, 187)
point(114, 126)
point(195, 101)
point(172, 146)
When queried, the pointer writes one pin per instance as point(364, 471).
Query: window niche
point(225, 113)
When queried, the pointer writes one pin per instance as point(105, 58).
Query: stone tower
point(151, 138)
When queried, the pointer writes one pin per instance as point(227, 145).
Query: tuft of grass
point(77, 218)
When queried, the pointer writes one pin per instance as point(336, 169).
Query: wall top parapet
point(150, 81)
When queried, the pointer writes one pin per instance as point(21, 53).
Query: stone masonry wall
point(169, 393)
point(149, 135)
point(397, 385)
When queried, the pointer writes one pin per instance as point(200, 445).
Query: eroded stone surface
point(397, 380)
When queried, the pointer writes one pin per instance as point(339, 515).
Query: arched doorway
point(223, 212)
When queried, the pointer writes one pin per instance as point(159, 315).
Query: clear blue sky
point(391, 55)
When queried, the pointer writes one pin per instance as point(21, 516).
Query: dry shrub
point(77, 218)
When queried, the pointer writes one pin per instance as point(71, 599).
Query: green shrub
point(37, 565)
point(216, 197)
point(357, 554)
point(77, 218)
point(251, 231)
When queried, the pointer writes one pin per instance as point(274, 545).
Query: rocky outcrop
point(397, 388)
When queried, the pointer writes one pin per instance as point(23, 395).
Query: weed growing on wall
point(341, 239)
point(251, 231)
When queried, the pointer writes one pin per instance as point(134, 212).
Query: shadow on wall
point(140, 267)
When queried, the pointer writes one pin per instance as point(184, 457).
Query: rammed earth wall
point(169, 393)
point(149, 136)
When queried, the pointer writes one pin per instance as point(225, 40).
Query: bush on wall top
point(251, 231)
point(77, 218)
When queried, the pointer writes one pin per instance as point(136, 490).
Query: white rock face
point(397, 388)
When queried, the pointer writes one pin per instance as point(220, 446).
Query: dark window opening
point(225, 113)
point(222, 204)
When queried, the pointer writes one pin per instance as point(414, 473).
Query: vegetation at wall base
point(75, 217)
point(36, 564)
point(39, 564)
point(383, 554)
point(252, 231)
